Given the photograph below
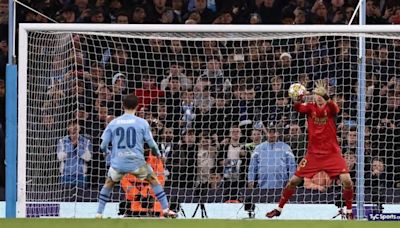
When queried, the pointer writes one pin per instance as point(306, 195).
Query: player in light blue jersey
point(128, 133)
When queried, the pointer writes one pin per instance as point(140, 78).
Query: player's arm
point(105, 139)
point(154, 148)
point(148, 138)
point(300, 106)
point(321, 90)
point(333, 107)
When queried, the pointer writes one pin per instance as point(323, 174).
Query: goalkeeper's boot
point(99, 216)
point(169, 213)
point(273, 213)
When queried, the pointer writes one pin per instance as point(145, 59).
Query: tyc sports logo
point(384, 217)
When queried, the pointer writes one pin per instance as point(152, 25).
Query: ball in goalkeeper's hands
point(297, 91)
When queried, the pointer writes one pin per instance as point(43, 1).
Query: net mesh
point(210, 99)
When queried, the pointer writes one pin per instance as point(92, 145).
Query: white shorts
point(142, 173)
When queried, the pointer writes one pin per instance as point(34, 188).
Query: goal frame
point(360, 30)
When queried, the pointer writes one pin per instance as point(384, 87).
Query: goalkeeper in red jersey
point(323, 151)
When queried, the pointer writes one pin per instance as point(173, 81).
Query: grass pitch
point(187, 223)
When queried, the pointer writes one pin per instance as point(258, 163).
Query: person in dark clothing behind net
point(185, 161)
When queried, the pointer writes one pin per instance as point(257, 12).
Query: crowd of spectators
point(209, 103)
point(206, 11)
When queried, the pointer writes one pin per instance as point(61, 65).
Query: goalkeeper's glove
point(321, 89)
point(300, 98)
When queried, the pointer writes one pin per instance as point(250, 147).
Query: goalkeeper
point(323, 151)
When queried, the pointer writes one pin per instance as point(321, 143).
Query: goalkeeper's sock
point(348, 198)
point(104, 197)
point(161, 196)
point(286, 194)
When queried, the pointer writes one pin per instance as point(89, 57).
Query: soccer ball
point(296, 90)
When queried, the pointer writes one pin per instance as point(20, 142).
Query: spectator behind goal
point(74, 151)
point(272, 163)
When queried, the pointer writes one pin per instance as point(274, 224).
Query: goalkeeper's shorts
point(332, 164)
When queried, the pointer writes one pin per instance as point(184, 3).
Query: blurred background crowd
point(209, 103)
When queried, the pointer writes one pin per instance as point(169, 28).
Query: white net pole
point(361, 112)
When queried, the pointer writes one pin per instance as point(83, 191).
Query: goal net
point(210, 99)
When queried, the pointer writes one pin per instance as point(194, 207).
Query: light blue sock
point(161, 196)
point(104, 197)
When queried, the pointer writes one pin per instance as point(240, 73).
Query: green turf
point(187, 223)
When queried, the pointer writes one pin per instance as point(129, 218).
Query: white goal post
point(45, 50)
